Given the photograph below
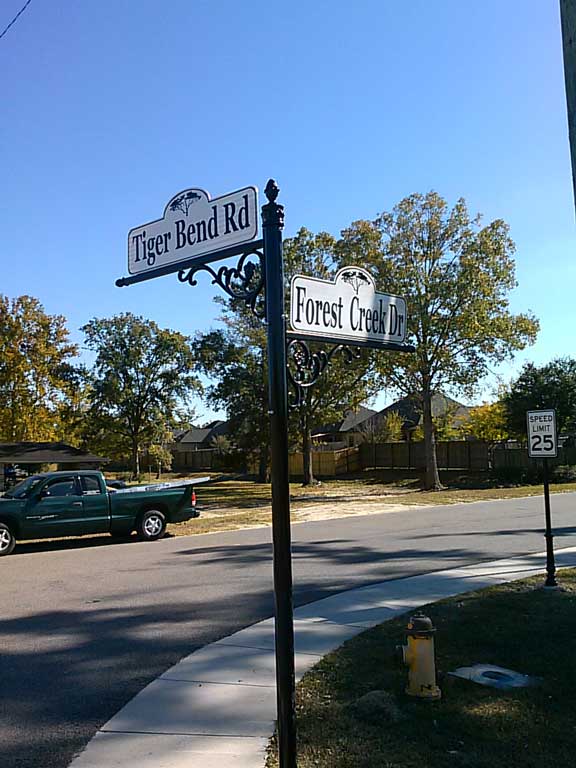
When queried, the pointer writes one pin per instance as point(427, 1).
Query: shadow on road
point(82, 542)
point(64, 673)
point(335, 551)
point(566, 530)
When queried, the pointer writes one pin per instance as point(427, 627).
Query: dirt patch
point(314, 509)
point(303, 512)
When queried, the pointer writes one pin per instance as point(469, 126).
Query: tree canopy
point(345, 384)
point(36, 373)
point(456, 277)
point(541, 387)
point(140, 376)
point(235, 359)
point(487, 422)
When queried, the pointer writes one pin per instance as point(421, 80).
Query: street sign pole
point(550, 564)
point(195, 231)
point(543, 444)
point(272, 224)
point(568, 17)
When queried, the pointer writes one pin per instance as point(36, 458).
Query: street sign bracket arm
point(309, 366)
point(387, 346)
point(243, 282)
point(197, 261)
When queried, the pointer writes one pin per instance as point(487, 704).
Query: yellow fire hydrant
point(418, 656)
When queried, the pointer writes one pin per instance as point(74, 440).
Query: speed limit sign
point(542, 441)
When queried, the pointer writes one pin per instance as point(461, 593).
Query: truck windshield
point(24, 488)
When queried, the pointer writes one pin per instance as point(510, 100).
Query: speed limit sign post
point(543, 444)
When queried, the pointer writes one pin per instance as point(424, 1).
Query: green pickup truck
point(77, 503)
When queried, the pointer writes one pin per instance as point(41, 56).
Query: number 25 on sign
point(542, 440)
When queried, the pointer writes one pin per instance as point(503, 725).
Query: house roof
point(410, 410)
point(352, 420)
point(198, 435)
point(45, 453)
point(194, 435)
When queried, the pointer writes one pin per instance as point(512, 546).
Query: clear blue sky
point(109, 108)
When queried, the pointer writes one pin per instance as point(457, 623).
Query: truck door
point(95, 503)
point(57, 510)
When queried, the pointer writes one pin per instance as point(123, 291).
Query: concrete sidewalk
point(218, 706)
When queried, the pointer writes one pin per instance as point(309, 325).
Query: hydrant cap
point(420, 624)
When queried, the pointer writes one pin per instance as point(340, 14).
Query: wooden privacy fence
point(468, 455)
point(455, 454)
point(326, 463)
point(189, 461)
point(517, 458)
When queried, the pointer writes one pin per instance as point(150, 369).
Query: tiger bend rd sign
point(193, 224)
point(348, 309)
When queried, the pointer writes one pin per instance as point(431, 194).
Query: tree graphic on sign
point(184, 201)
point(355, 278)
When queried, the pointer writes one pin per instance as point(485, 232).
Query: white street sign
point(193, 225)
point(542, 441)
point(348, 308)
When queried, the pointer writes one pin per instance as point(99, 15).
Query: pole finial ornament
point(272, 212)
point(271, 190)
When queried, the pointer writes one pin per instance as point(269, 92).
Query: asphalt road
point(86, 624)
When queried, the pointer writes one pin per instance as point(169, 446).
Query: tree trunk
point(308, 468)
point(264, 465)
point(432, 478)
point(135, 460)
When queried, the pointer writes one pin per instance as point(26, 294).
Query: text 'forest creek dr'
point(348, 307)
point(379, 320)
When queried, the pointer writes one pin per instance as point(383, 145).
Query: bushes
point(533, 475)
point(517, 475)
point(564, 474)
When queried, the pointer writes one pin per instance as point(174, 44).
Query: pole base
point(430, 693)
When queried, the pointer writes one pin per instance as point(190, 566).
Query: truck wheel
point(152, 525)
point(7, 540)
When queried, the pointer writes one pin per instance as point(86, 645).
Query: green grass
point(239, 492)
point(517, 626)
point(229, 504)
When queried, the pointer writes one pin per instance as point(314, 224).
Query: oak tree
point(347, 381)
point(234, 359)
point(456, 276)
point(541, 387)
point(141, 375)
point(36, 371)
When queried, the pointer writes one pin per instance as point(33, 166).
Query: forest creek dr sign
point(193, 225)
point(348, 308)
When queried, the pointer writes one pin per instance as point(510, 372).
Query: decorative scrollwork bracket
point(305, 367)
point(244, 282)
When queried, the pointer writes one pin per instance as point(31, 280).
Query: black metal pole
point(272, 224)
point(550, 564)
point(568, 17)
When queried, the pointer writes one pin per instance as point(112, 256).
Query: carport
point(32, 456)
